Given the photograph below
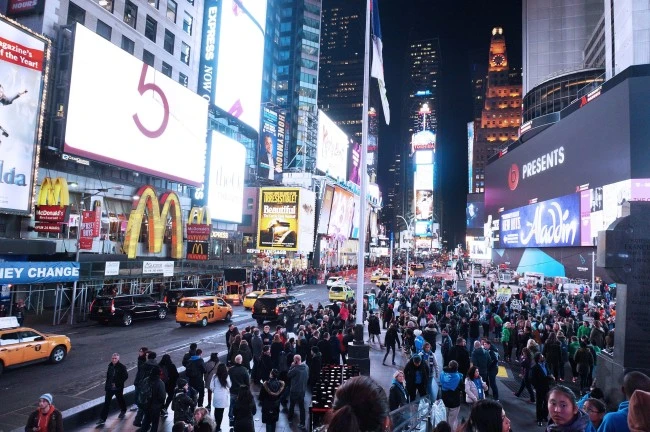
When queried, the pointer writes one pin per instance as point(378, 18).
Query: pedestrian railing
point(415, 416)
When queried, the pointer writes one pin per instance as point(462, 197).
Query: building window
point(130, 14)
point(128, 45)
point(167, 69)
point(154, 3)
point(104, 30)
point(106, 4)
point(148, 58)
point(182, 79)
point(76, 14)
point(188, 22)
point(150, 29)
point(172, 7)
point(185, 53)
point(169, 41)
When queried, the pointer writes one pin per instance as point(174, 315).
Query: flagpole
point(363, 171)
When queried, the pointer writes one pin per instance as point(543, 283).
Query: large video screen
point(354, 163)
point(135, 118)
point(475, 212)
point(271, 148)
point(423, 177)
point(278, 218)
point(240, 59)
point(227, 170)
point(587, 149)
point(332, 148)
point(423, 204)
point(22, 64)
point(307, 217)
point(342, 213)
point(325, 210)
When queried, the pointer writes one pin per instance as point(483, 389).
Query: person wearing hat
point(184, 402)
point(416, 375)
point(46, 418)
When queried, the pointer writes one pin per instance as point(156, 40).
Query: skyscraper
point(501, 115)
point(422, 73)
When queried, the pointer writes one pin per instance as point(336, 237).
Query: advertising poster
point(22, 64)
point(423, 228)
point(198, 251)
point(354, 162)
point(271, 149)
point(87, 229)
point(551, 223)
point(307, 218)
point(424, 140)
point(342, 213)
point(325, 209)
point(227, 170)
point(470, 155)
point(151, 115)
point(423, 177)
point(475, 212)
point(423, 204)
point(332, 148)
point(278, 219)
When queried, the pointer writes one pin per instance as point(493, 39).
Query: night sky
point(463, 26)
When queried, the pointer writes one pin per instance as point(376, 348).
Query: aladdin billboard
point(140, 119)
point(551, 223)
point(23, 56)
point(278, 219)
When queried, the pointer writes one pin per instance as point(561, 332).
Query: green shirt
point(573, 347)
point(583, 331)
point(505, 335)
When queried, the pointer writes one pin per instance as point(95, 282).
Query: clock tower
point(501, 114)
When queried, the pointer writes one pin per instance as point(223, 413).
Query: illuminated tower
point(501, 116)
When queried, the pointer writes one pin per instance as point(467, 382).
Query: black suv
point(126, 308)
point(276, 307)
point(172, 296)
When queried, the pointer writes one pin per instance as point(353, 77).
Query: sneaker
point(122, 415)
point(394, 363)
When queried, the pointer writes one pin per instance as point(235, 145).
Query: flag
point(377, 68)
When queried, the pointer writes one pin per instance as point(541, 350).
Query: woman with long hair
point(553, 353)
point(170, 377)
point(202, 420)
point(220, 386)
point(360, 404)
point(234, 348)
point(487, 415)
point(270, 393)
point(244, 410)
point(475, 387)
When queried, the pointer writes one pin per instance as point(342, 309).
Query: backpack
point(145, 393)
point(192, 369)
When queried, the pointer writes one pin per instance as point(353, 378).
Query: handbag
point(438, 412)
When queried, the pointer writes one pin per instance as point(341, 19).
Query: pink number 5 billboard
point(124, 112)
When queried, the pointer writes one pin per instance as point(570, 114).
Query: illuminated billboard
point(475, 213)
point(325, 209)
point(278, 218)
point(423, 228)
point(239, 58)
point(227, 170)
point(332, 148)
point(22, 66)
point(424, 140)
point(470, 156)
point(271, 148)
point(354, 162)
point(342, 213)
point(139, 119)
point(307, 218)
point(423, 177)
point(550, 223)
point(423, 204)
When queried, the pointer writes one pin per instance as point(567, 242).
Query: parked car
point(125, 309)
point(276, 307)
point(202, 310)
point(20, 346)
point(340, 293)
point(172, 296)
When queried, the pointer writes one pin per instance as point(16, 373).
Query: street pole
point(390, 275)
point(408, 233)
point(593, 273)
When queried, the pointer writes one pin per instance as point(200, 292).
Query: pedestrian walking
point(299, 375)
point(220, 387)
point(270, 393)
point(238, 377)
point(169, 375)
point(46, 418)
point(540, 380)
point(194, 371)
point(210, 371)
point(526, 363)
point(144, 371)
point(416, 374)
point(152, 398)
point(116, 376)
point(390, 340)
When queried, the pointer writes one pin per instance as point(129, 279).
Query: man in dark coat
point(416, 374)
point(460, 355)
point(238, 377)
point(153, 407)
point(116, 375)
point(144, 370)
point(194, 372)
point(270, 399)
point(314, 368)
point(326, 349)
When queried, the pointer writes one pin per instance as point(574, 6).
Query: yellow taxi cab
point(419, 266)
point(202, 310)
point(251, 298)
point(340, 292)
point(21, 346)
point(383, 280)
point(376, 275)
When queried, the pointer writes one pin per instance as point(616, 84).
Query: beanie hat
point(182, 382)
point(47, 397)
point(638, 418)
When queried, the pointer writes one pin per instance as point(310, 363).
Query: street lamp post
point(408, 230)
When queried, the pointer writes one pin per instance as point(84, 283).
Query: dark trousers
point(526, 383)
point(541, 407)
point(507, 347)
point(420, 389)
point(107, 402)
point(270, 427)
point(170, 398)
point(492, 379)
point(218, 417)
point(388, 349)
point(297, 398)
point(151, 418)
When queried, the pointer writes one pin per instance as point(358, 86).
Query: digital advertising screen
point(423, 228)
point(423, 204)
point(342, 213)
point(278, 218)
point(332, 148)
point(585, 150)
point(470, 155)
point(423, 177)
point(307, 218)
point(551, 223)
point(240, 59)
point(227, 170)
point(423, 157)
point(424, 140)
point(325, 209)
point(139, 119)
point(271, 148)
point(475, 212)
point(23, 57)
point(354, 163)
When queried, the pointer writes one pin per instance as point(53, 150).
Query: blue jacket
point(616, 421)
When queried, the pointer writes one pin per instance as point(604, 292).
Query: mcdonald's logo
point(157, 215)
point(198, 251)
point(197, 229)
point(53, 200)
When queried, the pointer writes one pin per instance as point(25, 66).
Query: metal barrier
point(415, 416)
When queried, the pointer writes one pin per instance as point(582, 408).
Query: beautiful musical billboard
point(551, 223)
point(278, 219)
point(342, 213)
point(139, 119)
point(332, 148)
point(23, 58)
point(227, 171)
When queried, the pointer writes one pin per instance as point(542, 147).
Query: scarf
point(578, 424)
point(400, 387)
point(543, 366)
point(44, 419)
